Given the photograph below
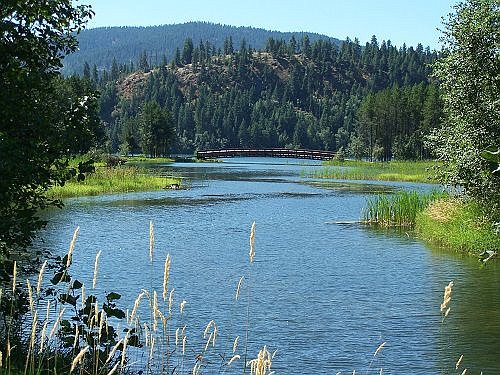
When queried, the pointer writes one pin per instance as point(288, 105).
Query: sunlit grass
point(113, 180)
point(407, 171)
point(457, 225)
point(400, 209)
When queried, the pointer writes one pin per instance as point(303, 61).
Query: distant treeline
point(374, 101)
point(102, 45)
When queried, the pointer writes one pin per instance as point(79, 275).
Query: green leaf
point(77, 284)
point(113, 296)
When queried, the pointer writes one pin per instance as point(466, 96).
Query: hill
point(100, 45)
point(373, 101)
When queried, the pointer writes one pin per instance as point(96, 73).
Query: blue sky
point(398, 20)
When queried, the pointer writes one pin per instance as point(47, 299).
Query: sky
point(401, 21)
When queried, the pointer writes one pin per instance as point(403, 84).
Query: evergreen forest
point(374, 101)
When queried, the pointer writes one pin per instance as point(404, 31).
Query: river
point(324, 295)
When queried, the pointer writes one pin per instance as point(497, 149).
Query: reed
point(397, 210)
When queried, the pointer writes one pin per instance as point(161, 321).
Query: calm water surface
point(323, 295)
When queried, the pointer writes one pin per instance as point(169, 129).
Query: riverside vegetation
point(119, 179)
point(69, 327)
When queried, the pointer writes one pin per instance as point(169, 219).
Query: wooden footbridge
point(266, 152)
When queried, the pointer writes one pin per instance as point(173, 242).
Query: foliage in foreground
point(44, 119)
point(469, 76)
point(69, 327)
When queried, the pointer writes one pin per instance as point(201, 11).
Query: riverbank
point(120, 179)
point(406, 171)
point(441, 220)
point(458, 226)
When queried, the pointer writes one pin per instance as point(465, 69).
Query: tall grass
point(408, 171)
point(458, 225)
point(113, 180)
point(72, 331)
point(397, 210)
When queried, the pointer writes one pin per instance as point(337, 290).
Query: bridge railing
point(267, 152)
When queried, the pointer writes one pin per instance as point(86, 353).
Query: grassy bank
point(398, 210)
point(457, 225)
point(440, 220)
point(113, 180)
point(408, 171)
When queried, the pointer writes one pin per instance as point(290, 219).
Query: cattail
point(113, 370)
point(33, 330)
point(184, 345)
point(72, 247)
point(1, 359)
point(146, 334)
point(215, 335)
point(170, 300)
point(101, 324)
point(166, 274)
point(136, 306)
point(183, 305)
point(76, 336)
point(446, 299)
point(379, 349)
point(152, 347)
point(458, 362)
point(125, 340)
point(96, 267)
point(96, 313)
point(205, 333)
point(79, 358)
point(83, 296)
point(1, 292)
point(40, 278)
point(234, 358)
point(177, 336)
point(56, 324)
point(252, 240)
point(261, 364)
point(42, 337)
point(30, 295)
point(235, 344)
point(14, 275)
point(208, 341)
point(156, 311)
point(151, 240)
point(238, 288)
point(48, 310)
point(196, 367)
point(113, 351)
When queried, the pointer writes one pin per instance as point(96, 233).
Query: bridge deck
point(268, 152)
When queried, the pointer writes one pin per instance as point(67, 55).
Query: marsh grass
point(458, 225)
point(397, 210)
point(407, 171)
point(113, 180)
point(83, 340)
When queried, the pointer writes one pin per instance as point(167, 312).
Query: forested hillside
point(371, 101)
point(125, 44)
